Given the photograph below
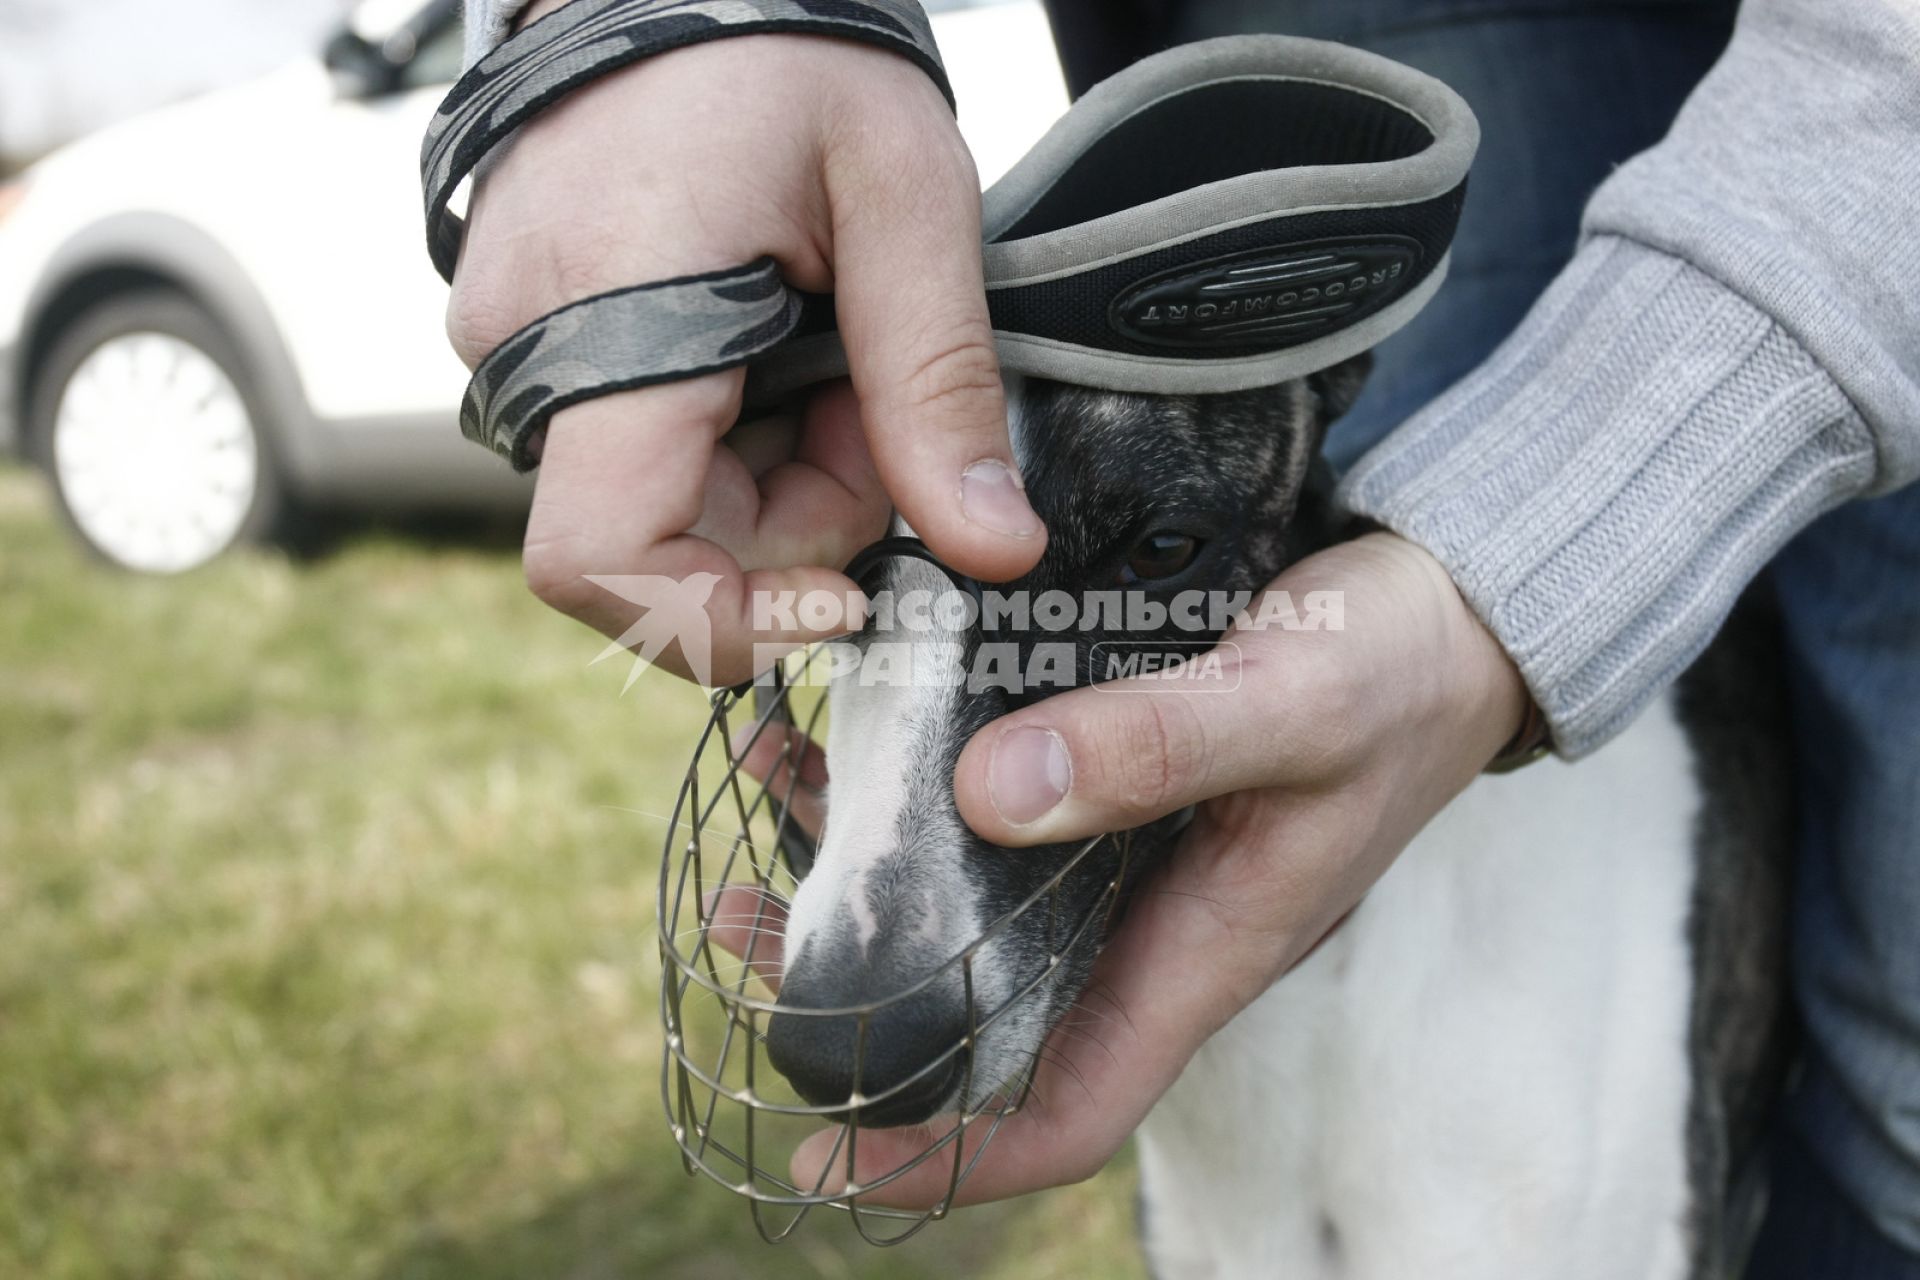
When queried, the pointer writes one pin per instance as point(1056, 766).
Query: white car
point(220, 311)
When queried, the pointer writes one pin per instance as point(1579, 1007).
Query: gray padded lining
point(1438, 168)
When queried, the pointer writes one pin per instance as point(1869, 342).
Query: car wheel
point(145, 420)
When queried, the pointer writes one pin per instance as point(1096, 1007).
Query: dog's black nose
point(914, 1052)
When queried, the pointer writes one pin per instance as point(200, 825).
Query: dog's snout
point(902, 1058)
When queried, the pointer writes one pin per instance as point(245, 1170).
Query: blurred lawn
point(326, 910)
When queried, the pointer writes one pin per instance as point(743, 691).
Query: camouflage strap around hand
point(618, 341)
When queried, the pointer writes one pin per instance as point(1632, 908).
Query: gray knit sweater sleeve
point(1734, 349)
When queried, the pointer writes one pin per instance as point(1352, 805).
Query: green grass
point(326, 939)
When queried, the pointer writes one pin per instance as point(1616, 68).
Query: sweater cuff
point(1608, 482)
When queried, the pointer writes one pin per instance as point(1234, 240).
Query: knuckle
point(948, 155)
point(890, 164)
point(1162, 758)
point(679, 511)
point(477, 321)
point(582, 264)
point(849, 117)
point(962, 378)
point(556, 570)
point(712, 402)
point(498, 289)
point(926, 151)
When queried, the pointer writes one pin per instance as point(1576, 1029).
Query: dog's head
point(1146, 498)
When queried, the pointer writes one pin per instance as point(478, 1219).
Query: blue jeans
point(1849, 588)
point(1565, 90)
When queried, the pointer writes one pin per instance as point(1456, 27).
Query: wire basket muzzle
point(727, 875)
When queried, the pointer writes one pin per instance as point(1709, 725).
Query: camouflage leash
point(1224, 215)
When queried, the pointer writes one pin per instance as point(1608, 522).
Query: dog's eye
point(1160, 555)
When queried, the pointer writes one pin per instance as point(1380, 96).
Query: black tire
point(171, 314)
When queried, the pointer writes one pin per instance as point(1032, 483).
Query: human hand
point(843, 163)
point(1332, 753)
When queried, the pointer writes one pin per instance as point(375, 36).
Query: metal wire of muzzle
point(734, 1118)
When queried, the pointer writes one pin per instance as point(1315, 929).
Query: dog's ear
point(1340, 386)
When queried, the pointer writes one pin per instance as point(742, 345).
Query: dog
point(1544, 1044)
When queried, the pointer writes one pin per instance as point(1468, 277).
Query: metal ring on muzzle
point(736, 1120)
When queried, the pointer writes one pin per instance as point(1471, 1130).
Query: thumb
point(912, 312)
point(1118, 755)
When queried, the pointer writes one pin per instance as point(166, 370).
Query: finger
point(749, 923)
point(793, 768)
point(818, 504)
point(1300, 708)
point(911, 304)
point(764, 443)
point(622, 481)
point(1120, 754)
